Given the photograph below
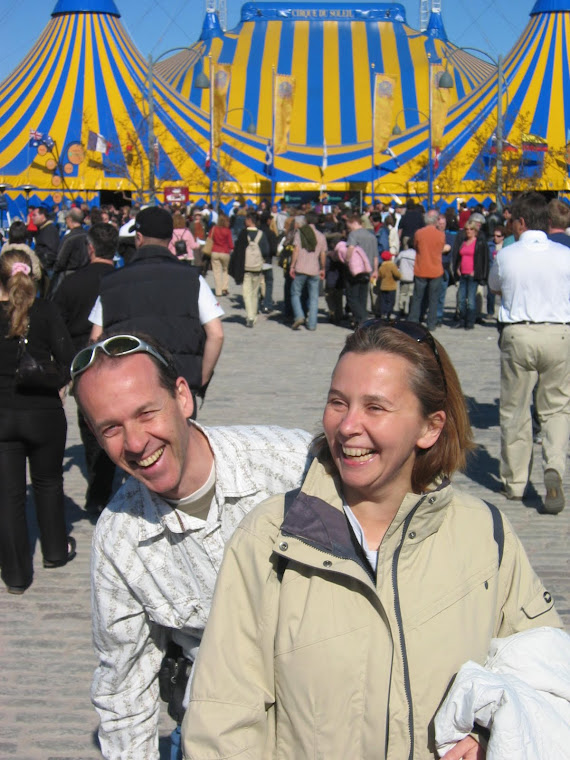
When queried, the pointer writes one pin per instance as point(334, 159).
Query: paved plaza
point(270, 374)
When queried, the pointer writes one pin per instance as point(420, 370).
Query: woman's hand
point(468, 749)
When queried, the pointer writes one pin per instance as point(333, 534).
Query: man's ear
point(184, 397)
point(138, 240)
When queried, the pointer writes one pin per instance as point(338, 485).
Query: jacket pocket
point(538, 605)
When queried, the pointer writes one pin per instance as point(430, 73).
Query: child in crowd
point(386, 286)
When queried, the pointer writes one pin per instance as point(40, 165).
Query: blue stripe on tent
point(254, 64)
point(314, 105)
point(285, 59)
point(374, 48)
point(346, 84)
point(459, 84)
point(228, 50)
point(539, 124)
point(406, 62)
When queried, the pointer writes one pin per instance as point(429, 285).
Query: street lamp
point(446, 82)
point(150, 120)
point(204, 82)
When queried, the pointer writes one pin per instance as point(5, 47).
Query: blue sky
point(158, 25)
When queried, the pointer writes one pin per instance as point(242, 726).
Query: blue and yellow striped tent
point(332, 51)
point(536, 123)
point(85, 78)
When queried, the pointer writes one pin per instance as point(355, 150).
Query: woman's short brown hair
point(178, 220)
point(437, 388)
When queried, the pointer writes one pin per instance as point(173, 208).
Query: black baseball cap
point(154, 222)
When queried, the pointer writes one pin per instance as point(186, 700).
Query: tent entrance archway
point(112, 198)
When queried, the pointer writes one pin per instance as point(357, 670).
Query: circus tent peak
point(85, 6)
point(550, 6)
point(211, 26)
point(435, 27)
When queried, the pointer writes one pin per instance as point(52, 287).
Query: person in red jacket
point(222, 246)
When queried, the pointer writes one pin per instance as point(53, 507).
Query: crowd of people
point(345, 555)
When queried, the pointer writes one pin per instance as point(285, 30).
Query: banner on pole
point(383, 110)
point(284, 96)
point(439, 104)
point(222, 75)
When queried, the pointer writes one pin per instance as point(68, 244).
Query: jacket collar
point(152, 252)
point(317, 517)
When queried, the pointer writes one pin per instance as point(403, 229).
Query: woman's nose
point(351, 422)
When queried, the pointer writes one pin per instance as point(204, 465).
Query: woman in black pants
point(32, 427)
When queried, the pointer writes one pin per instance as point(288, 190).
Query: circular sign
point(75, 153)
point(56, 180)
point(51, 164)
point(42, 150)
point(68, 168)
point(57, 197)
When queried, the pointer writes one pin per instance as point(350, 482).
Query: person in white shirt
point(158, 545)
point(533, 277)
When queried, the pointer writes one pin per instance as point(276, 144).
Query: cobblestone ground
point(266, 375)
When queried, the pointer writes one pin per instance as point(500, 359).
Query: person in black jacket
point(75, 298)
point(72, 253)
point(32, 426)
point(47, 238)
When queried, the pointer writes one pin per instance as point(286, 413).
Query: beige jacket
point(306, 655)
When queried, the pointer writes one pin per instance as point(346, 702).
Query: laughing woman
point(343, 611)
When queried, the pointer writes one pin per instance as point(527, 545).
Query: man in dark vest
point(165, 298)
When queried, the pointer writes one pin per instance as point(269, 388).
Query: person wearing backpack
point(307, 266)
point(183, 243)
point(246, 264)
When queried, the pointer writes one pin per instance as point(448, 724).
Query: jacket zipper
point(399, 622)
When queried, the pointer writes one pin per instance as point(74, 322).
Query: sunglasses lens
point(120, 345)
point(82, 360)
